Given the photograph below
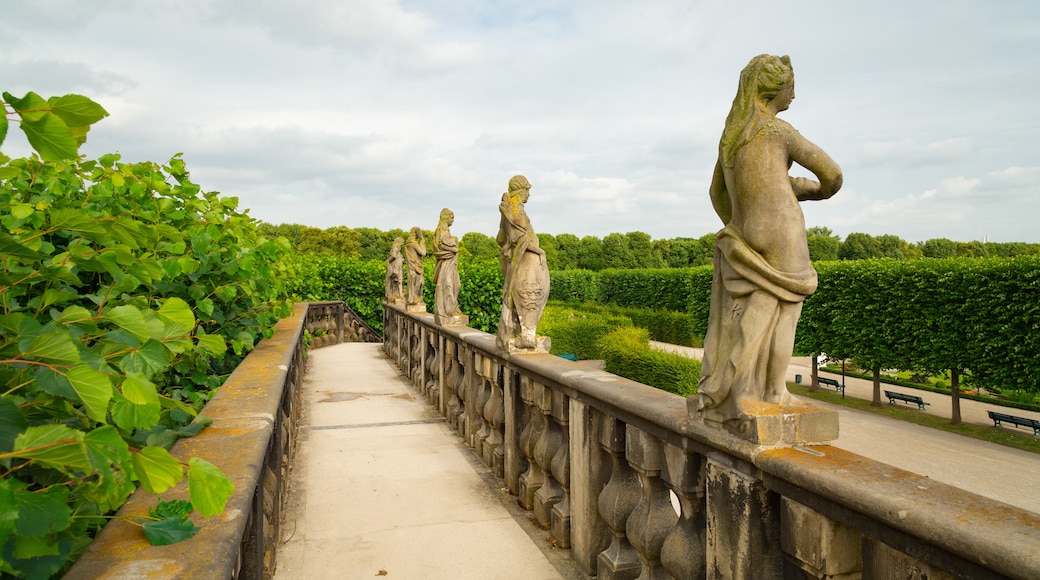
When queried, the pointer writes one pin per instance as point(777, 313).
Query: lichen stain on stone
point(137, 569)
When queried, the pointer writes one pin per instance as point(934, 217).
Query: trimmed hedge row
point(628, 354)
point(663, 325)
point(578, 331)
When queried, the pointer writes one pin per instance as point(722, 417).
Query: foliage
point(481, 247)
point(859, 246)
point(574, 286)
point(628, 354)
point(662, 325)
point(578, 331)
point(127, 294)
point(823, 244)
point(361, 285)
point(666, 288)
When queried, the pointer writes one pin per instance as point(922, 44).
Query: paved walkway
point(381, 487)
point(988, 469)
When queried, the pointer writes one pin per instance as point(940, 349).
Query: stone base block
point(790, 424)
point(455, 320)
point(542, 346)
point(420, 307)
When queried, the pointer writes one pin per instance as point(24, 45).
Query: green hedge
point(628, 354)
point(574, 286)
point(662, 325)
point(577, 331)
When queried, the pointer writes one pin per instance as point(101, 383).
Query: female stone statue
point(446, 272)
point(762, 267)
point(525, 273)
point(395, 273)
point(414, 251)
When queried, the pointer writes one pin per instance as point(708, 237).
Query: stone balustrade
point(619, 474)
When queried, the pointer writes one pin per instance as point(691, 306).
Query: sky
point(378, 113)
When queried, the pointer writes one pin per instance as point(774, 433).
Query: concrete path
point(381, 487)
point(988, 469)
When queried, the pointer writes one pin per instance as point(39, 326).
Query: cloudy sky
point(379, 113)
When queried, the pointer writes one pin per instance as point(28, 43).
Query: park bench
point(832, 383)
point(894, 396)
point(999, 418)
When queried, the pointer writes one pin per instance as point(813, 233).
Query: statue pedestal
point(420, 307)
point(767, 424)
point(454, 320)
point(542, 346)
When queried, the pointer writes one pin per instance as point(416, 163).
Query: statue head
point(447, 216)
point(765, 78)
point(519, 186)
point(415, 234)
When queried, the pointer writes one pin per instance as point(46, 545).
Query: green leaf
point(42, 512)
point(12, 423)
point(208, 487)
point(128, 416)
point(75, 220)
point(73, 314)
point(77, 110)
point(11, 247)
point(52, 296)
point(8, 509)
point(26, 547)
point(156, 469)
point(212, 343)
point(54, 382)
point(129, 319)
point(57, 347)
point(50, 137)
point(55, 446)
point(3, 126)
point(176, 311)
point(139, 390)
point(22, 210)
point(27, 104)
point(94, 389)
point(149, 359)
point(169, 531)
point(110, 456)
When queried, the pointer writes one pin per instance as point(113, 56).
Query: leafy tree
point(481, 246)
point(335, 240)
point(859, 246)
point(616, 253)
point(291, 232)
point(823, 244)
point(939, 248)
point(643, 254)
point(570, 248)
point(547, 242)
point(591, 256)
point(898, 248)
point(973, 249)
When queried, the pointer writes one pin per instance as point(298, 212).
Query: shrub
point(628, 354)
point(576, 331)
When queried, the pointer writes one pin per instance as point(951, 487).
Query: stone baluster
point(616, 502)
point(514, 463)
point(545, 448)
point(464, 388)
point(560, 515)
point(534, 477)
point(452, 378)
point(477, 428)
point(472, 419)
point(493, 417)
point(683, 552)
point(653, 517)
point(432, 380)
point(417, 359)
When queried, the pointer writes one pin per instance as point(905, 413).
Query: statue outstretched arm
point(808, 155)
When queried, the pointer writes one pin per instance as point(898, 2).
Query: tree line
point(638, 249)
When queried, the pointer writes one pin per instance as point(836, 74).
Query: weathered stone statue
point(446, 274)
point(395, 273)
point(414, 251)
point(525, 273)
point(762, 267)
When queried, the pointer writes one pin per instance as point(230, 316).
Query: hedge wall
point(578, 331)
point(628, 354)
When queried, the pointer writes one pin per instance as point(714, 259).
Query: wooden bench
point(894, 396)
point(832, 383)
point(999, 418)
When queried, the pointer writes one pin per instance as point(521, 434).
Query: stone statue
point(762, 268)
point(446, 274)
point(395, 273)
point(414, 251)
point(525, 273)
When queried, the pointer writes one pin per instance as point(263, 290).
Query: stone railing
point(334, 322)
point(252, 439)
point(620, 475)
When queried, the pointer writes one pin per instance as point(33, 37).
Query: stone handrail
point(597, 459)
point(252, 439)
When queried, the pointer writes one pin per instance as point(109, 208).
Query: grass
point(1019, 439)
